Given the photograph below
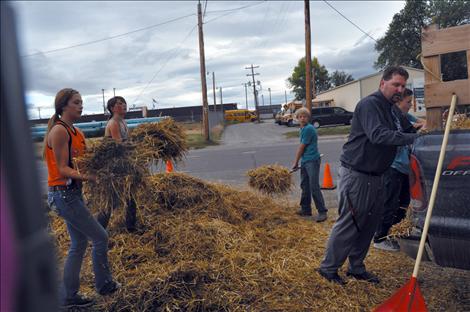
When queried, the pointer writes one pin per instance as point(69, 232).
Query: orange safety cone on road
point(169, 166)
point(327, 179)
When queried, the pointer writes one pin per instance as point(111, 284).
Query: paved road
point(246, 146)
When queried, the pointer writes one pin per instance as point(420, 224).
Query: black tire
point(289, 123)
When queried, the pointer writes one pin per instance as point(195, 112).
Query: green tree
point(297, 80)
point(401, 44)
point(338, 78)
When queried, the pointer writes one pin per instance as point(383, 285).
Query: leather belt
point(62, 188)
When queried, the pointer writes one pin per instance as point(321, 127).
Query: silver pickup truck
point(448, 242)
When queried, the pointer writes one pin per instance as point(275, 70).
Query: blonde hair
point(302, 111)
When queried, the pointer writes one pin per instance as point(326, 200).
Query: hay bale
point(164, 140)
point(270, 179)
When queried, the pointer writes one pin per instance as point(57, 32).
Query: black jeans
point(131, 210)
point(397, 199)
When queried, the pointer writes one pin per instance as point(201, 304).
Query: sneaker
point(332, 277)
point(365, 276)
point(321, 216)
point(77, 301)
point(109, 288)
point(303, 213)
point(387, 245)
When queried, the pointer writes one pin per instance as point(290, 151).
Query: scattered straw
point(231, 250)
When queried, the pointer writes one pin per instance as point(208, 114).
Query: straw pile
point(460, 121)
point(164, 140)
point(402, 229)
point(270, 179)
point(231, 250)
point(118, 174)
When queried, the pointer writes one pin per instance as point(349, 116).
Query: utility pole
point(246, 96)
point(213, 91)
point(262, 99)
point(104, 106)
point(255, 92)
point(39, 112)
point(308, 58)
point(205, 106)
point(114, 91)
point(221, 101)
point(269, 89)
point(285, 95)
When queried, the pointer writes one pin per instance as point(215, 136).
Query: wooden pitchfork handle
point(437, 176)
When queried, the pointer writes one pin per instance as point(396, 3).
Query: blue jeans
point(81, 226)
point(310, 185)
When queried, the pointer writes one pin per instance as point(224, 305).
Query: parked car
point(326, 116)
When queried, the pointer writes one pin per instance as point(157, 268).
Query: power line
point(205, 7)
point(172, 55)
point(112, 37)
point(230, 11)
point(236, 9)
point(349, 20)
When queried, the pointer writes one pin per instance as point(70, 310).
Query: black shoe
point(332, 277)
point(321, 216)
point(304, 213)
point(366, 276)
point(77, 301)
point(109, 288)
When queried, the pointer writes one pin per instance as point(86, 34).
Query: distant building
point(347, 95)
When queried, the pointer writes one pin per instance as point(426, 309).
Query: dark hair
point(394, 70)
point(112, 101)
point(62, 98)
point(407, 92)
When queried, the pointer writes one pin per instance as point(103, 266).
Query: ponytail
point(61, 100)
point(50, 124)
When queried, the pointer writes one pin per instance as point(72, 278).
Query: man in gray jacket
point(368, 153)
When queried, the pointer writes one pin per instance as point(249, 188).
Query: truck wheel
point(289, 123)
point(316, 124)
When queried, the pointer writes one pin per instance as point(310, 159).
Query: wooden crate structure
point(438, 94)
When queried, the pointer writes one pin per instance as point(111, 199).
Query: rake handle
point(435, 184)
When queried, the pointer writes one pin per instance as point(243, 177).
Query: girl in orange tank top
point(62, 143)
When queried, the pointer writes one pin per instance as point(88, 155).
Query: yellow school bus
point(239, 115)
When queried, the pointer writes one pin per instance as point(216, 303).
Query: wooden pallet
point(438, 94)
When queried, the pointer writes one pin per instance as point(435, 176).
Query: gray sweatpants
point(360, 211)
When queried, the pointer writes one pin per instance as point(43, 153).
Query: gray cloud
point(270, 35)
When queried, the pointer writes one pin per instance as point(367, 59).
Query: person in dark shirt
point(368, 153)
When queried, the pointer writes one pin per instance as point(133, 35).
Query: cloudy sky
point(149, 50)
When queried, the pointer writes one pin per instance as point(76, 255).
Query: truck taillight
point(417, 192)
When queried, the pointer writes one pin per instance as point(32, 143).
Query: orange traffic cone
point(169, 166)
point(327, 179)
